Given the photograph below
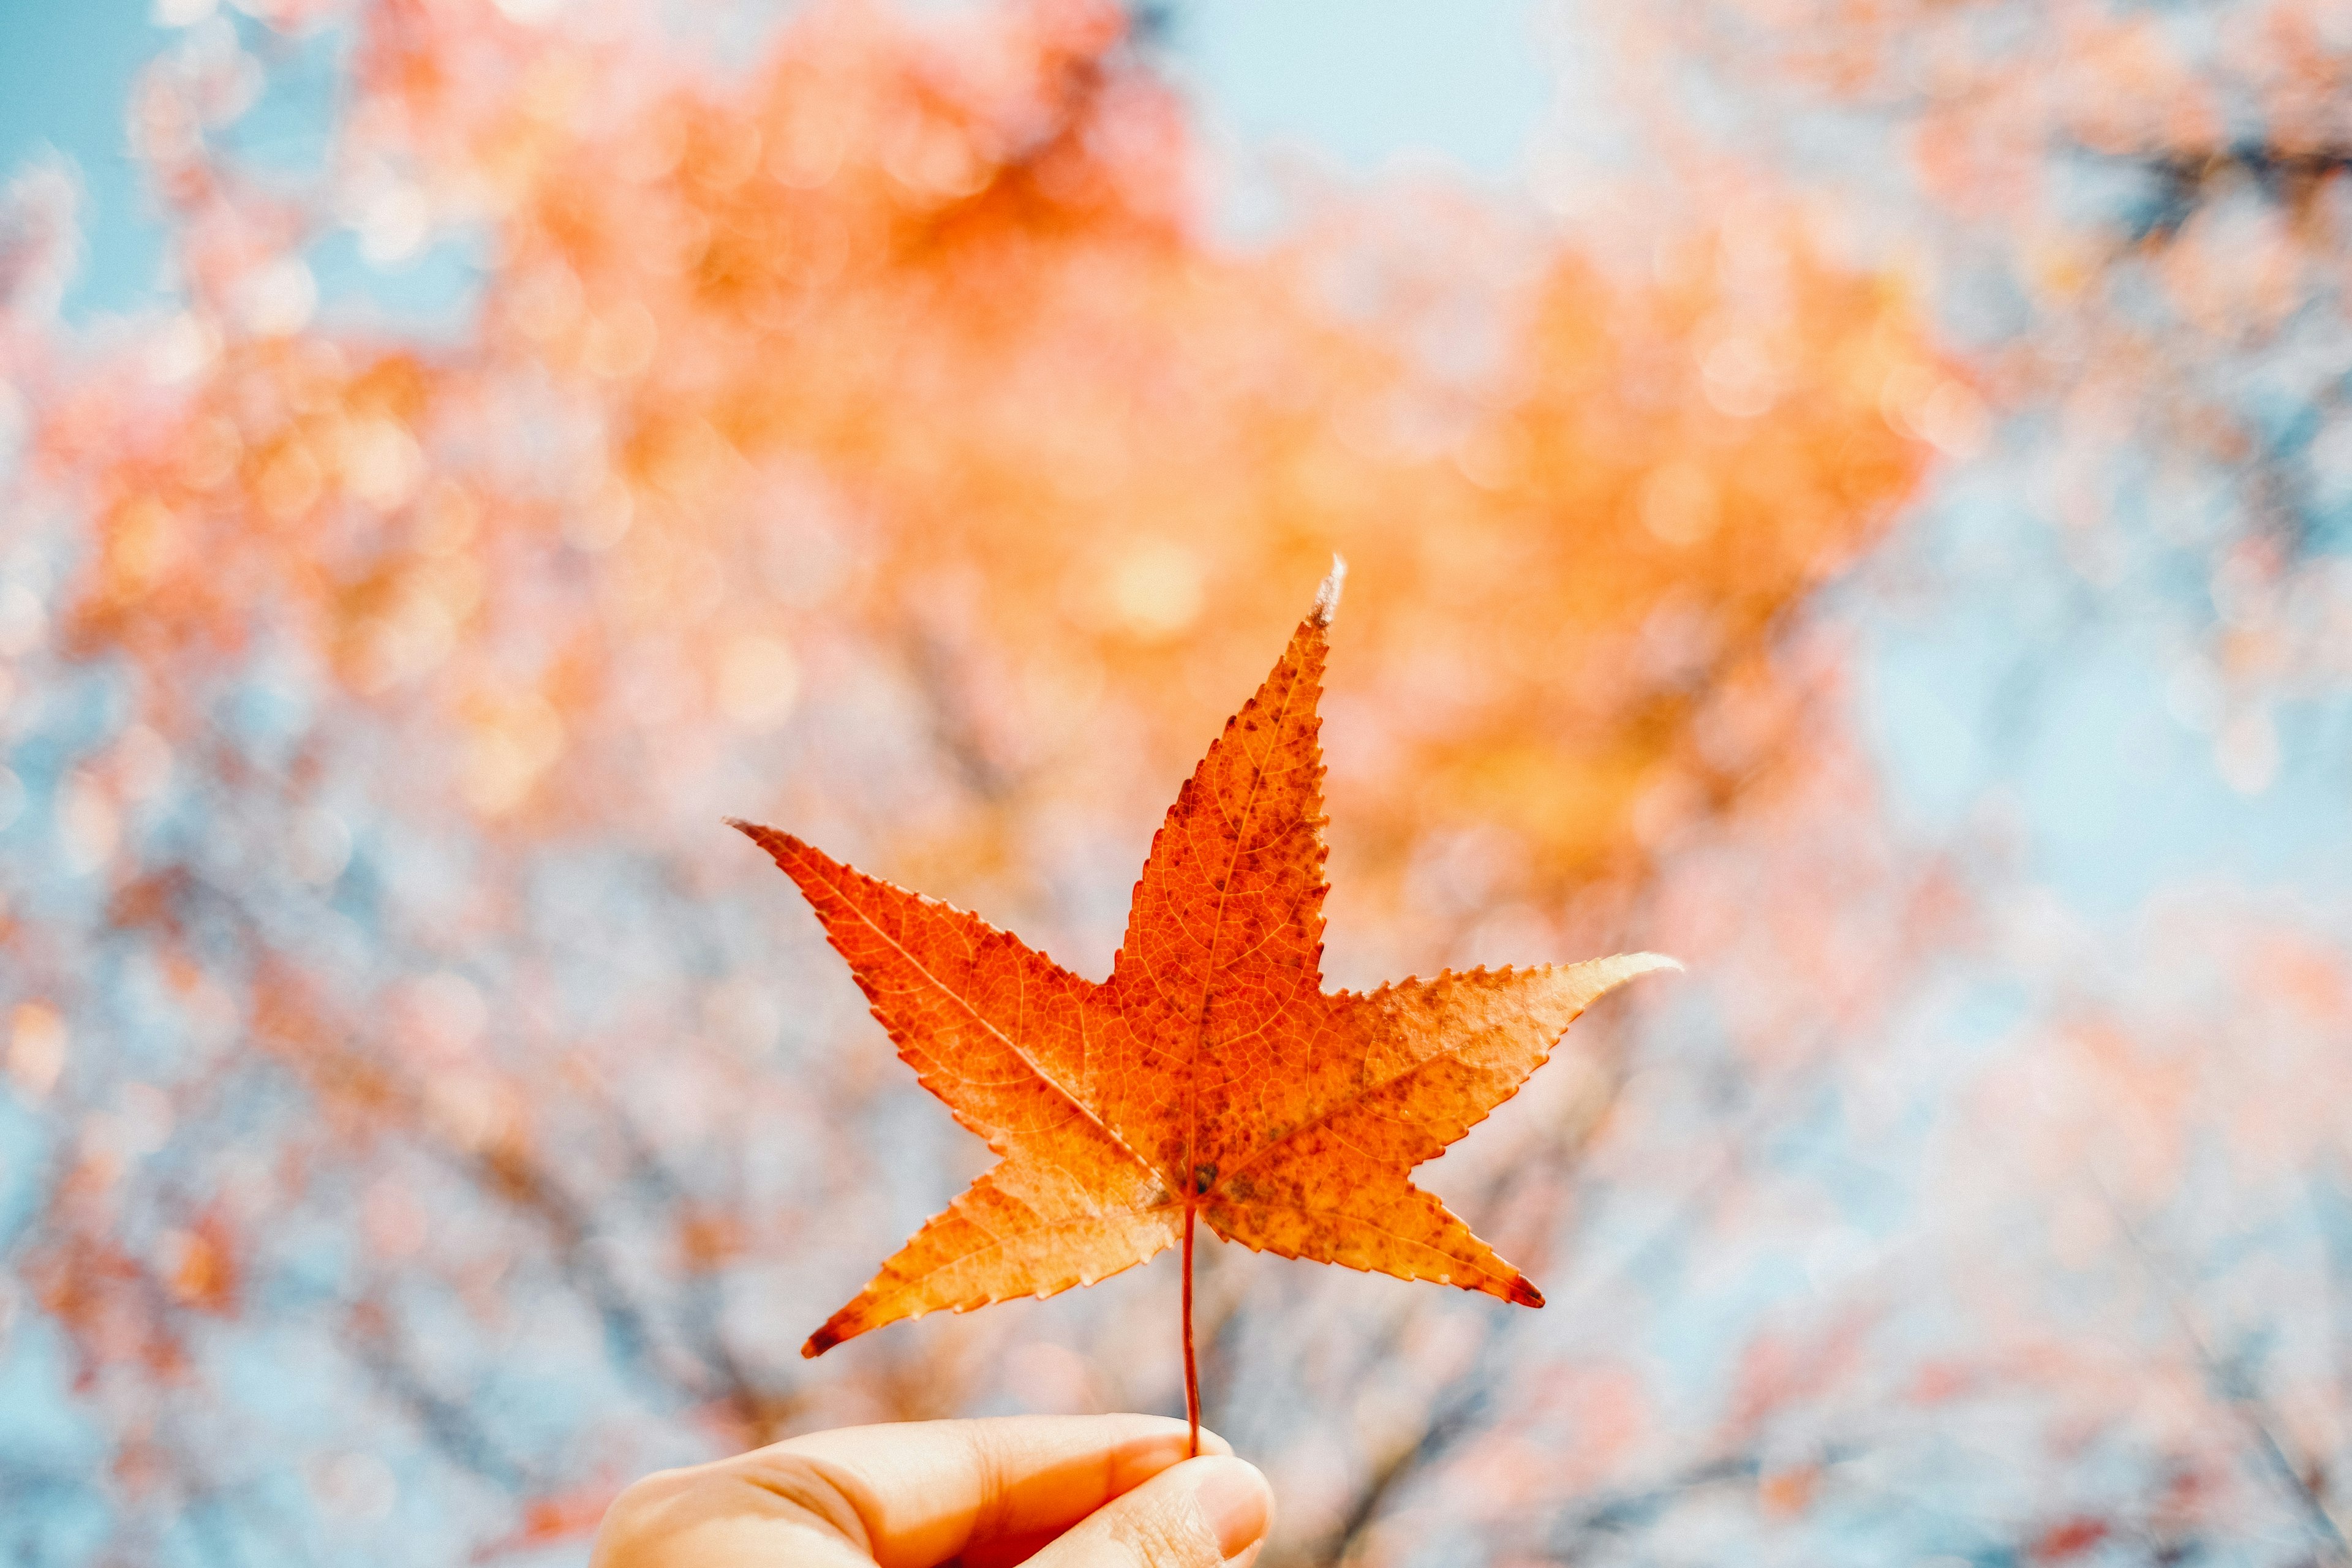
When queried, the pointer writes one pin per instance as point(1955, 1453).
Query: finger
point(908, 1495)
point(924, 1492)
point(1203, 1513)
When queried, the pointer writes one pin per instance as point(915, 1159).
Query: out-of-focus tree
point(435, 1116)
point(2137, 220)
point(431, 1117)
point(2100, 668)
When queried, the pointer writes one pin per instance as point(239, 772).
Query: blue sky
point(64, 79)
point(1364, 81)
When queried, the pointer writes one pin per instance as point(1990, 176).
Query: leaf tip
point(823, 1340)
point(1524, 1292)
point(1327, 595)
point(1611, 973)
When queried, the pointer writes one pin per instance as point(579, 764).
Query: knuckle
point(801, 1490)
point(655, 1518)
point(992, 1473)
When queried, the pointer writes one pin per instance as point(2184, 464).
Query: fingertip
point(1212, 1511)
point(1233, 1500)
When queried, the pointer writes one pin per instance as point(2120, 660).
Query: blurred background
point(1857, 496)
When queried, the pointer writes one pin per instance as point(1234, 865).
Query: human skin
point(1055, 1491)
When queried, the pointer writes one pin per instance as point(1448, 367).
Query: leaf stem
point(1192, 1366)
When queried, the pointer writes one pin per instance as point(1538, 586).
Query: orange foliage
point(912, 342)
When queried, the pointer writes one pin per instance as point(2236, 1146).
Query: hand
point(1056, 1492)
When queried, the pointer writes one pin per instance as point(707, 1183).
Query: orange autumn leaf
point(1210, 1076)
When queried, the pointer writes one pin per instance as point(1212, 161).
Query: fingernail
point(1235, 1501)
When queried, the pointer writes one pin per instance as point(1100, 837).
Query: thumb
point(1201, 1513)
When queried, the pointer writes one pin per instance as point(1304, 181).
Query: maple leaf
point(1211, 1077)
